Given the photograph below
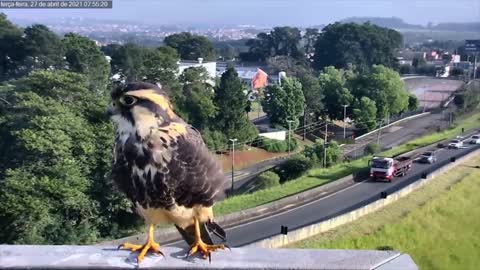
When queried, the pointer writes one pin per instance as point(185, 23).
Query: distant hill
point(467, 27)
point(392, 22)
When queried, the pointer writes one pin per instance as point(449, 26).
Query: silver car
point(455, 144)
point(475, 139)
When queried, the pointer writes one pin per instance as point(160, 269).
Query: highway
point(334, 204)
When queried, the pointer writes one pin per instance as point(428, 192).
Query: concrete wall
point(314, 229)
point(277, 135)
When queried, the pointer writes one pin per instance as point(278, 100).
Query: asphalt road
point(332, 205)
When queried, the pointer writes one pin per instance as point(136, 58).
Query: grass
point(437, 225)
point(320, 176)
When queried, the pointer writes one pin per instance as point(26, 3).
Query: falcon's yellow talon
point(150, 245)
point(200, 246)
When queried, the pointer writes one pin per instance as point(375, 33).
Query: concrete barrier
point(94, 257)
point(393, 123)
point(314, 229)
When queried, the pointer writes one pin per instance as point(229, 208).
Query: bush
point(372, 148)
point(315, 153)
point(294, 167)
point(267, 180)
point(214, 139)
point(276, 146)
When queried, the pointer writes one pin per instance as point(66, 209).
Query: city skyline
point(265, 12)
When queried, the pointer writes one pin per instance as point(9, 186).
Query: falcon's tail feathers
point(206, 229)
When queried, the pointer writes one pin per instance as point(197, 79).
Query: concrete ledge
point(95, 257)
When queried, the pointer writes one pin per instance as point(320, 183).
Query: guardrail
point(95, 257)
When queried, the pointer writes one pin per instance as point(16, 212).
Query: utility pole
point(305, 124)
point(378, 134)
point(344, 120)
point(289, 134)
point(325, 146)
point(475, 67)
point(233, 163)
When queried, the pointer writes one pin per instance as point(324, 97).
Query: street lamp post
point(233, 162)
point(289, 132)
point(344, 119)
point(325, 146)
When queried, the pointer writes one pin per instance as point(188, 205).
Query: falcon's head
point(138, 107)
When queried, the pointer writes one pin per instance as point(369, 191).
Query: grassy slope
point(436, 225)
point(320, 176)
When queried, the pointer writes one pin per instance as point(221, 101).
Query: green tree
point(12, 52)
point(266, 180)
point(313, 94)
point(281, 41)
point(365, 114)
point(191, 47)
point(231, 102)
point(384, 86)
point(199, 106)
point(361, 45)
point(333, 83)
point(413, 102)
point(128, 60)
point(285, 102)
point(55, 165)
point(85, 57)
point(43, 47)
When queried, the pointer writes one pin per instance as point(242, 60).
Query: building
point(211, 67)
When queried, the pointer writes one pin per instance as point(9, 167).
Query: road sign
point(472, 45)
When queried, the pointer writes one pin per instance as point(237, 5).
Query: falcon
point(163, 166)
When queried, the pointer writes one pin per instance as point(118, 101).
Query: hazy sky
point(270, 12)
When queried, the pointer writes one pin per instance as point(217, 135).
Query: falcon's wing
point(199, 176)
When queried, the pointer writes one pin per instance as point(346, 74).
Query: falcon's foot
point(150, 245)
point(200, 246)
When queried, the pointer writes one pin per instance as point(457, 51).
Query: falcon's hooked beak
point(112, 110)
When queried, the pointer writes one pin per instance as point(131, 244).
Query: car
point(455, 144)
point(428, 157)
point(475, 139)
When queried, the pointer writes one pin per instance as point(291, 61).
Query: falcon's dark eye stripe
point(128, 100)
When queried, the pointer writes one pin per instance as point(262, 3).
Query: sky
point(267, 12)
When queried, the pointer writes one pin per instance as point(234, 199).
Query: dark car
point(428, 157)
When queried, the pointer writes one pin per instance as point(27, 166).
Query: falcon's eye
point(128, 100)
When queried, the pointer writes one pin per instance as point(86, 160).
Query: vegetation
point(266, 180)
point(191, 47)
point(231, 102)
point(272, 145)
point(372, 148)
point(361, 45)
point(316, 152)
point(284, 103)
point(410, 225)
point(294, 167)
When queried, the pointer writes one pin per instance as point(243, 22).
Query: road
point(332, 205)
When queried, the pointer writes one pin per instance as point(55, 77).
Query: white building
point(211, 68)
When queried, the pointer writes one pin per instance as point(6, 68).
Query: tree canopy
point(191, 47)
point(284, 103)
point(231, 101)
point(361, 45)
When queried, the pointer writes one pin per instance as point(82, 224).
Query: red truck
point(386, 167)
